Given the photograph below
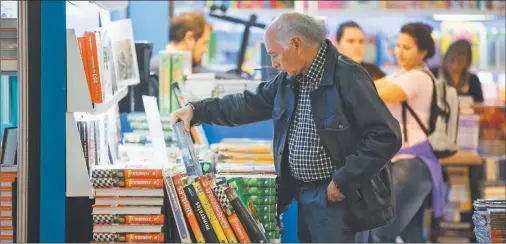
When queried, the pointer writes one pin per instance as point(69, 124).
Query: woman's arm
point(389, 92)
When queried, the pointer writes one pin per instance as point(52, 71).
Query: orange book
point(185, 204)
point(158, 219)
point(5, 208)
point(5, 199)
point(6, 237)
point(142, 173)
point(155, 237)
point(144, 183)
point(220, 215)
point(5, 189)
point(94, 68)
point(81, 41)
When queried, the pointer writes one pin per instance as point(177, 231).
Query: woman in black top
point(455, 70)
point(350, 42)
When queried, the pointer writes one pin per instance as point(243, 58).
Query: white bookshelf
point(78, 103)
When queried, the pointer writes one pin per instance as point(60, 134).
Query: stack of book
point(7, 204)
point(205, 211)
point(244, 156)
point(128, 205)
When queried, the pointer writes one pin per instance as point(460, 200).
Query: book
point(128, 219)
point(108, 228)
point(220, 215)
point(254, 231)
point(128, 173)
point(127, 210)
point(232, 217)
point(185, 203)
point(177, 212)
point(129, 237)
point(128, 183)
point(189, 156)
point(202, 218)
point(218, 230)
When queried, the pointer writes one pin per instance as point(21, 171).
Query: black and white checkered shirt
point(307, 159)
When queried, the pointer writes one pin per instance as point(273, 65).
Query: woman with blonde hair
point(455, 67)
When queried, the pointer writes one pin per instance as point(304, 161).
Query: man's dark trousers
point(319, 219)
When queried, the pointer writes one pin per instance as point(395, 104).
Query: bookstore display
point(226, 191)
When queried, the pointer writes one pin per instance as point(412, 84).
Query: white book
point(127, 210)
point(143, 201)
point(131, 192)
point(127, 228)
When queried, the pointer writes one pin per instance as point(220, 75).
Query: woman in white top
point(416, 170)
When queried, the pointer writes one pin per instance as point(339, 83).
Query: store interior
point(88, 153)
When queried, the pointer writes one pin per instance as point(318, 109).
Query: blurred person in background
point(188, 32)
point(350, 42)
point(454, 70)
point(416, 171)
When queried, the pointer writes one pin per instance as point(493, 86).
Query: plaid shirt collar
point(315, 71)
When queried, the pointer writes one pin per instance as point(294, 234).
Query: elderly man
point(333, 135)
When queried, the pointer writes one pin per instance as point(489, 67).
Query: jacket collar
point(329, 65)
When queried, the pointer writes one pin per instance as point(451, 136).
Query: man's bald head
point(289, 25)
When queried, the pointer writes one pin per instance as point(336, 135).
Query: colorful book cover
point(202, 218)
point(129, 237)
point(190, 215)
point(127, 183)
point(128, 173)
point(177, 211)
point(220, 215)
point(94, 68)
point(158, 219)
point(251, 225)
point(233, 219)
point(218, 230)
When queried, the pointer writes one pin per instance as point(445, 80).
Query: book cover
point(94, 68)
point(158, 219)
point(202, 218)
point(127, 183)
point(129, 237)
point(218, 230)
point(190, 215)
point(220, 215)
point(128, 173)
point(232, 217)
point(254, 231)
point(177, 211)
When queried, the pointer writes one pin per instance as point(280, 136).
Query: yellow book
point(220, 234)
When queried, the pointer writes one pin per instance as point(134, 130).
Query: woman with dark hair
point(416, 171)
point(454, 70)
point(350, 42)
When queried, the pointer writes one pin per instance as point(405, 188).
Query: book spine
point(233, 219)
point(129, 237)
point(177, 212)
point(128, 219)
point(128, 183)
point(141, 173)
point(190, 216)
point(153, 238)
point(248, 221)
point(210, 213)
point(220, 215)
point(202, 219)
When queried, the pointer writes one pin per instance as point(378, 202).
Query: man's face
point(289, 59)
point(352, 44)
point(201, 46)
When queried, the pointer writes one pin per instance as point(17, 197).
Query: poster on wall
point(123, 52)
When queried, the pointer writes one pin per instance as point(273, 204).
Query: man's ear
point(297, 43)
point(189, 36)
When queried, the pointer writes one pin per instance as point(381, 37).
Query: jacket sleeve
point(380, 134)
point(238, 109)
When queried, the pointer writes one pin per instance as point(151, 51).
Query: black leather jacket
point(356, 129)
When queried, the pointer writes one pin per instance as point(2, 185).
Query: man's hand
point(333, 194)
point(184, 114)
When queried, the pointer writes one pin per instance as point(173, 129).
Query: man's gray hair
point(288, 25)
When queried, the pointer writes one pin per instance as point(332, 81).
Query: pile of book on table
point(8, 175)
point(128, 204)
point(243, 156)
point(210, 211)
